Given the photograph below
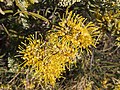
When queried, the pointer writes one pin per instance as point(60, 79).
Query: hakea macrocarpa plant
point(48, 59)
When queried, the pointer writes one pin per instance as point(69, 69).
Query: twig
point(91, 60)
point(13, 78)
point(114, 51)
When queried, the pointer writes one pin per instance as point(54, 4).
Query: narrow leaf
point(38, 16)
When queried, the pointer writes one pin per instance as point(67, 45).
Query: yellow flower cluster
point(48, 59)
point(46, 63)
point(73, 34)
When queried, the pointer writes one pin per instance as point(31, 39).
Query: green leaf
point(38, 16)
point(6, 30)
point(8, 11)
point(1, 56)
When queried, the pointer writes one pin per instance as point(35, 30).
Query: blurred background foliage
point(97, 71)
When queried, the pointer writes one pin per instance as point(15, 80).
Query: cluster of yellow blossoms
point(73, 34)
point(48, 59)
point(46, 62)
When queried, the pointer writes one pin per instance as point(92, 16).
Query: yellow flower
point(46, 61)
point(73, 30)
